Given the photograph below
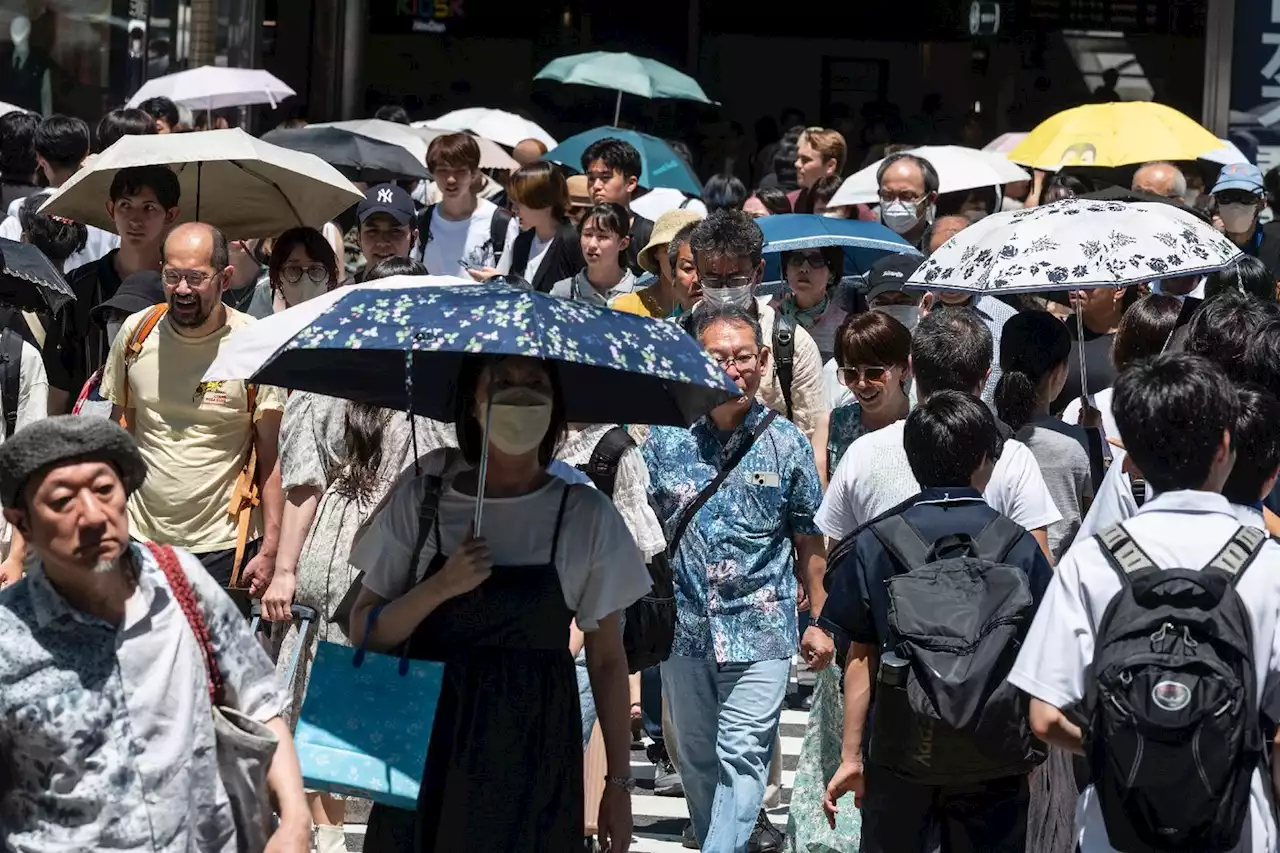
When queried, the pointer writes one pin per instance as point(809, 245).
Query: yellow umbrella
point(1118, 134)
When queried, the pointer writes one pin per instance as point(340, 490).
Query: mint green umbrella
point(623, 72)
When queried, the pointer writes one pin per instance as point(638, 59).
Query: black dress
point(504, 769)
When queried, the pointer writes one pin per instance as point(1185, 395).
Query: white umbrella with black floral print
point(1075, 244)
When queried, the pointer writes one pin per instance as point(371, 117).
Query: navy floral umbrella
point(403, 339)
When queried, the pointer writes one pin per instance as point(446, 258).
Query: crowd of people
point(917, 494)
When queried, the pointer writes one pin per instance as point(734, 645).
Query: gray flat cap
point(62, 440)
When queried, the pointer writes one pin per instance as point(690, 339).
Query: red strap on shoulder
point(186, 599)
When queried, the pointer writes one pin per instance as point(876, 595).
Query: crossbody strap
point(687, 514)
point(185, 596)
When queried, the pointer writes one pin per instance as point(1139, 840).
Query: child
point(605, 235)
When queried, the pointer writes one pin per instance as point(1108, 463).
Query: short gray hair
point(930, 174)
point(680, 239)
point(705, 316)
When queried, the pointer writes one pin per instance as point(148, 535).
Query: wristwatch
point(626, 783)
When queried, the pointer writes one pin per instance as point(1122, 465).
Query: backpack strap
point(902, 541)
point(498, 233)
point(424, 232)
point(1239, 553)
point(10, 378)
point(134, 347)
point(997, 539)
point(603, 465)
point(784, 356)
point(1123, 554)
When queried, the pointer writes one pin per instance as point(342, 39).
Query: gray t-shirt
point(1059, 450)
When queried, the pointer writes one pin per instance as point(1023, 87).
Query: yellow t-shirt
point(637, 302)
point(195, 436)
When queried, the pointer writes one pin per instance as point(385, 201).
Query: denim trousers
point(726, 720)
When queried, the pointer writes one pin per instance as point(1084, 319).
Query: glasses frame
point(308, 271)
point(860, 372)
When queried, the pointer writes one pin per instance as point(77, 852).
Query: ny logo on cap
point(384, 196)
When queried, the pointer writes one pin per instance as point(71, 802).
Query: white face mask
point(518, 420)
point(1237, 217)
point(723, 297)
point(907, 315)
point(901, 217)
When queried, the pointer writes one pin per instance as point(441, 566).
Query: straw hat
point(664, 231)
point(579, 195)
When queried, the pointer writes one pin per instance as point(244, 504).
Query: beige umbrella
point(492, 155)
point(242, 185)
point(385, 131)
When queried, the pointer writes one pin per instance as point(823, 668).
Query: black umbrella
point(357, 157)
point(29, 281)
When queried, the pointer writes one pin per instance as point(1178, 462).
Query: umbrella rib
point(297, 216)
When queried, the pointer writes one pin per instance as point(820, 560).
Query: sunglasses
point(850, 375)
point(813, 259)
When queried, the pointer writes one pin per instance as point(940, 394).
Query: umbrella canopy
point(213, 87)
point(624, 72)
point(864, 242)
point(390, 132)
point(492, 155)
point(404, 339)
point(29, 281)
point(660, 165)
point(1119, 134)
point(1075, 244)
point(242, 185)
point(1004, 143)
point(958, 168)
point(501, 126)
point(354, 155)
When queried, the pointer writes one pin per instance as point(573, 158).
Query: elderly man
point(198, 437)
point(736, 493)
point(1162, 179)
point(106, 732)
point(528, 151)
point(908, 191)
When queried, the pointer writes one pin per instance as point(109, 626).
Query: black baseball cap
point(389, 199)
point(890, 273)
point(137, 292)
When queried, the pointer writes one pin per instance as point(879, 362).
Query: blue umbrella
point(660, 165)
point(395, 344)
point(864, 242)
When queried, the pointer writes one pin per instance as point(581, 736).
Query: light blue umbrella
point(623, 72)
point(864, 242)
point(660, 165)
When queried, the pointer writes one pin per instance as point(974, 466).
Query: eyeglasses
point(813, 259)
point(293, 274)
point(905, 196)
point(742, 362)
point(194, 278)
point(850, 375)
point(717, 281)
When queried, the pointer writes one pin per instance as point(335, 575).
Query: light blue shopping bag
point(366, 722)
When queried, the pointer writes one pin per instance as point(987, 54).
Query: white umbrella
point(492, 155)
point(1075, 243)
point(1227, 155)
point(211, 87)
point(251, 347)
point(384, 131)
point(501, 126)
point(242, 185)
point(958, 168)
point(6, 108)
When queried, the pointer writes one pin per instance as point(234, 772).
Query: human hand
point(613, 822)
point(482, 274)
point(10, 572)
point(277, 602)
point(292, 836)
point(257, 573)
point(817, 647)
point(1090, 416)
point(848, 778)
point(467, 567)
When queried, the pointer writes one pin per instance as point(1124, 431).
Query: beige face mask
point(518, 419)
point(289, 295)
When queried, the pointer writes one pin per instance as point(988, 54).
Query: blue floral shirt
point(734, 570)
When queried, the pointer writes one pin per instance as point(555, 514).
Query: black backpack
point(10, 377)
point(1173, 735)
point(649, 624)
point(957, 617)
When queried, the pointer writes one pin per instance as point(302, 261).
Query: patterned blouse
point(844, 429)
point(106, 734)
point(734, 570)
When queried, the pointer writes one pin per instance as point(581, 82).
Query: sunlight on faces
point(732, 345)
point(716, 271)
point(604, 184)
point(381, 237)
point(756, 208)
point(301, 277)
point(454, 182)
point(876, 387)
point(808, 275)
point(140, 219)
point(76, 517)
point(684, 278)
point(192, 287)
point(810, 167)
point(602, 245)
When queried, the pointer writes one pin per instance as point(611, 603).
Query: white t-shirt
point(33, 405)
point(1102, 401)
point(97, 244)
point(599, 566)
point(537, 254)
point(874, 476)
point(1183, 529)
point(455, 241)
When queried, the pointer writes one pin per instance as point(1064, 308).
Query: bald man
point(196, 436)
point(942, 230)
point(528, 151)
point(1162, 179)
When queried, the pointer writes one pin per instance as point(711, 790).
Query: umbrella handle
point(484, 469)
point(617, 108)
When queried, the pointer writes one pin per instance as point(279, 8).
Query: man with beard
point(196, 436)
point(106, 735)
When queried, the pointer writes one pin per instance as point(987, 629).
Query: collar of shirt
point(706, 427)
point(1188, 501)
point(949, 495)
point(49, 606)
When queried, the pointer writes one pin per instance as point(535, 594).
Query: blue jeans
point(724, 756)
point(586, 699)
point(651, 702)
